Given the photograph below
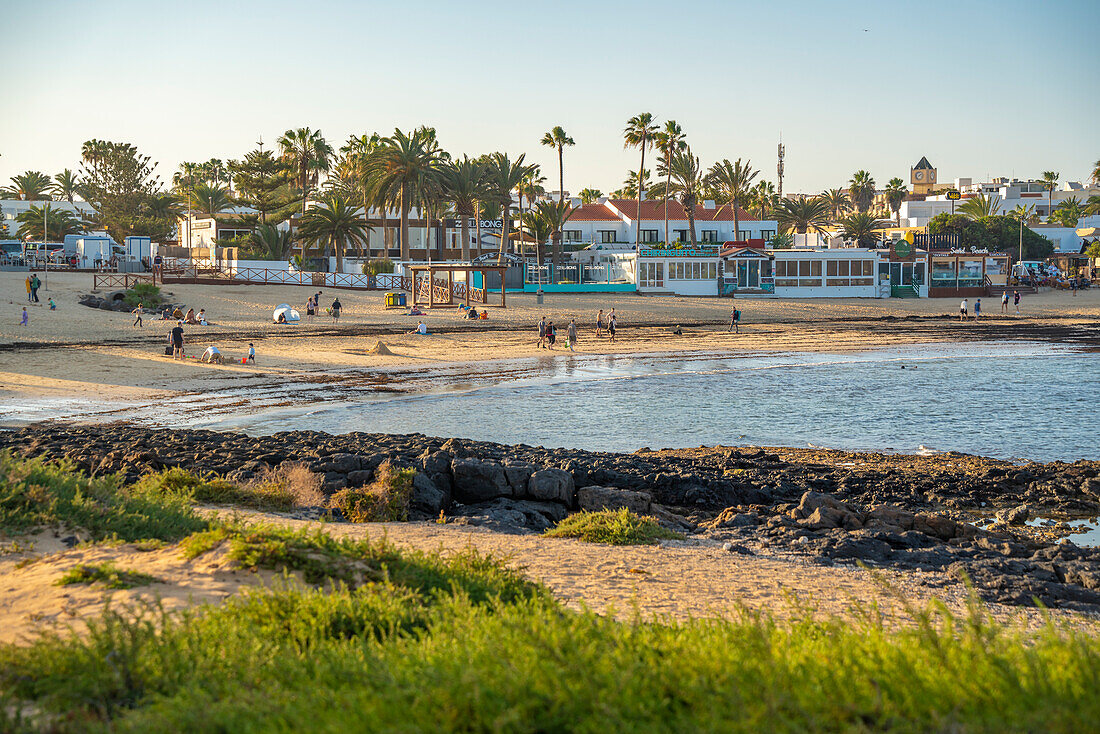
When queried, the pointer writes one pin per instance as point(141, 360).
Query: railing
point(119, 280)
point(178, 272)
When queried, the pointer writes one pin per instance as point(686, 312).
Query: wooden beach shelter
point(434, 286)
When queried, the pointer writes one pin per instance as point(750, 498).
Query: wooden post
point(468, 284)
point(431, 288)
point(450, 287)
point(502, 296)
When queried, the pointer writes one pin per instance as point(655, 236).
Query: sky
point(982, 88)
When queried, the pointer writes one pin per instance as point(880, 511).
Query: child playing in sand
point(136, 313)
point(53, 306)
point(25, 317)
point(251, 353)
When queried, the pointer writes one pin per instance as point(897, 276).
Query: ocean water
point(1022, 401)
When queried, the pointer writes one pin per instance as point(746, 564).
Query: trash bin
point(395, 300)
point(401, 300)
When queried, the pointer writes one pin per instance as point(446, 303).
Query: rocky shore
point(918, 513)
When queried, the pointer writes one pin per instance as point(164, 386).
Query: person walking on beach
point(599, 322)
point(1073, 285)
point(735, 321)
point(336, 306)
point(137, 315)
point(311, 308)
point(251, 353)
point(571, 334)
point(542, 332)
point(962, 310)
point(1016, 301)
point(551, 335)
point(611, 326)
point(176, 338)
point(23, 322)
point(1004, 302)
point(977, 308)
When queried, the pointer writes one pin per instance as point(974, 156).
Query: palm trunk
point(638, 213)
point(505, 227)
point(405, 253)
point(691, 222)
point(465, 236)
point(668, 183)
point(477, 224)
point(736, 223)
point(339, 245)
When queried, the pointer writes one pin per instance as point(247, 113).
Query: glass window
point(681, 235)
point(804, 267)
point(943, 270)
point(607, 235)
point(842, 268)
point(649, 235)
point(571, 235)
point(710, 235)
point(815, 268)
point(830, 269)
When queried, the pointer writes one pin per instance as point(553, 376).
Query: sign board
point(678, 253)
point(954, 195)
point(903, 248)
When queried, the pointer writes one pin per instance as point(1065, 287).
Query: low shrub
point(386, 499)
point(614, 527)
point(146, 294)
point(378, 265)
point(284, 488)
point(36, 493)
point(106, 574)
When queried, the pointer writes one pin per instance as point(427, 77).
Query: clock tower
point(922, 176)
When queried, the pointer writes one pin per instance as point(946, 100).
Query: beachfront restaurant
point(684, 271)
point(844, 272)
point(959, 274)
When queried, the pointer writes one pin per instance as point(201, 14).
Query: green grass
point(409, 660)
point(386, 499)
point(267, 494)
point(147, 294)
point(614, 527)
point(36, 494)
point(106, 574)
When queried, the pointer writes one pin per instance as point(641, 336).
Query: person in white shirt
point(212, 356)
point(962, 310)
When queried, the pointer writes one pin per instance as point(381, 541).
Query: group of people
point(212, 355)
point(548, 334)
point(313, 307)
point(606, 324)
point(964, 309)
point(169, 313)
point(33, 284)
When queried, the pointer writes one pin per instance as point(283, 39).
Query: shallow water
point(1011, 400)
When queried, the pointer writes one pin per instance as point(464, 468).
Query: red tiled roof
point(653, 209)
point(594, 213)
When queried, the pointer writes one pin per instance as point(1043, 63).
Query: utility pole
point(779, 166)
point(46, 242)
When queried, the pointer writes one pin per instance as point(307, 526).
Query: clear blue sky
point(980, 87)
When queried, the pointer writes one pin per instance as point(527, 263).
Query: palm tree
point(503, 176)
point(357, 151)
point(335, 222)
point(1050, 180)
point(211, 200)
point(802, 214)
point(1069, 212)
point(546, 221)
point(464, 185)
point(29, 186)
point(629, 188)
point(980, 207)
point(93, 151)
point(163, 206)
point(668, 139)
point(557, 138)
point(1096, 172)
point(838, 202)
point(538, 227)
point(763, 199)
point(732, 182)
point(638, 133)
point(531, 187)
point(66, 185)
point(271, 242)
point(590, 196)
point(1092, 206)
point(310, 155)
point(59, 221)
point(862, 190)
point(395, 169)
point(895, 194)
point(685, 182)
point(1023, 213)
point(861, 227)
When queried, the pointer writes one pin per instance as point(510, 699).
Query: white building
point(1011, 193)
point(615, 222)
point(12, 208)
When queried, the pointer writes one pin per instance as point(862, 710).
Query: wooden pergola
point(443, 292)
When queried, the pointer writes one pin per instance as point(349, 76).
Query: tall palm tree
point(638, 133)
point(732, 182)
point(895, 194)
point(1092, 206)
point(1023, 213)
point(557, 138)
point(29, 186)
point(35, 219)
point(504, 176)
point(336, 223)
point(163, 206)
point(463, 186)
point(590, 196)
point(862, 190)
point(310, 155)
point(531, 188)
point(1050, 180)
point(66, 185)
point(395, 169)
point(546, 221)
point(802, 214)
point(980, 207)
point(763, 199)
point(629, 188)
point(1096, 172)
point(538, 227)
point(1069, 212)
point(838, 202)
point(861, 227)
point(668, 139)
point(357, 151)
point(94, 151)
point(685, 183)
point(211, 200)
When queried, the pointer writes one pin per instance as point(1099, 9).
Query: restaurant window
point(649, 235)
point(607, 235)
point(681, 235)
point(970, 273)
point(943, 271)
point(710, 235)
point(651, 275)
point(743, 235)
point(767, 234)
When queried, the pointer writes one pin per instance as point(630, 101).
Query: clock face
point(931, 176)
point(919, 175)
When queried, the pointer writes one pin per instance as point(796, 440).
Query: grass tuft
point(107, 574)
point(386, 499)
point(284, 488)
point(614, 527)
point(35, 493)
